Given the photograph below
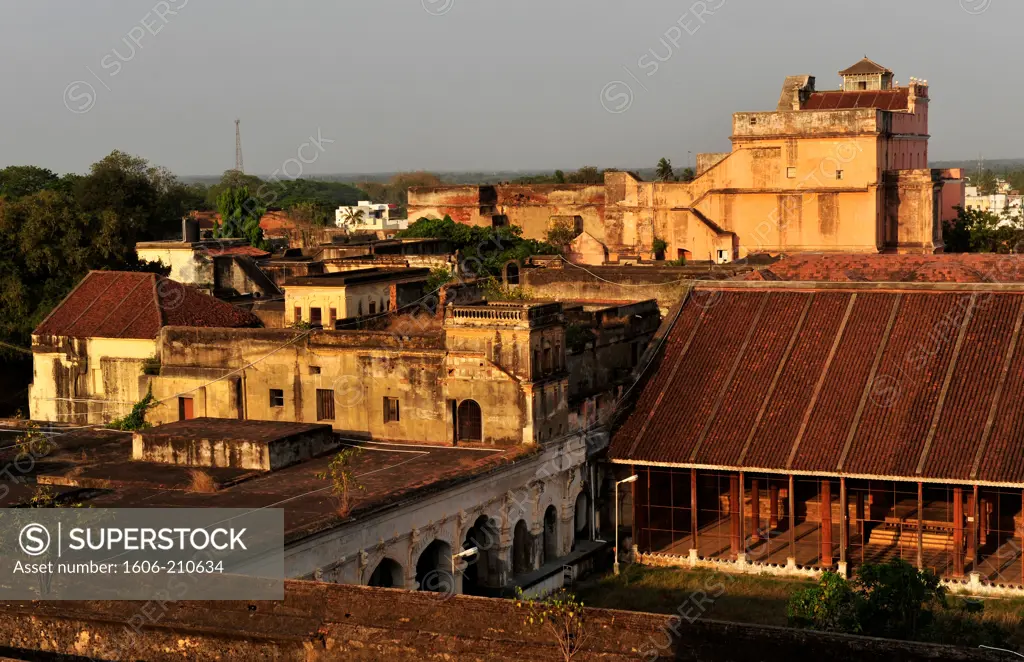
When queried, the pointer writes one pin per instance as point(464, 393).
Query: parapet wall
point(320, 622)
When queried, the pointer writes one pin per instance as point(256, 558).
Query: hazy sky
point(471, 84)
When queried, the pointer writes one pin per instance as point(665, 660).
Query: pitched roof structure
point(129, 304)
point(848, 267)
point(865, 66)
point(902, 382)
point(892, 100)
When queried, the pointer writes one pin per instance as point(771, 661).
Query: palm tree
point(352, 216)
point(664, 170)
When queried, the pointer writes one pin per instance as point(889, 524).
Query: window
point(314, 370)
point(276, 397)
point(862, 85)
point(391, 410)
point(753, 121)
point(324, 404)
point(359, 309)
point(315, 318)
point(839, 174)
point(373, 307)
point(298, 313)
point(333, 312)
point(791, 172)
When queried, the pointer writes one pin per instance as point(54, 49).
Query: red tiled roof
point(838, 100)
point(944, 268)
point(128, 304)
point(864, 66)
point(904, 382)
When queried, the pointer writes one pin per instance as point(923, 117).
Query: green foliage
point(343, 480)
point(892, 599)
point(659, 246)
point(438, 278)
point(54, 230)
point(688, 175)
point(352, 217)
point(287, 193)
point(495, 290)
point(34, 443)
point(678, 262)
point(832, 606)
point(484, 250)
point(136, 419)
point(151, 366)
point(585, 175)
point(313, 213)
point(240, 215)
point(977, 231)
point(561, 617)
point(664, 170)
point(561, 233)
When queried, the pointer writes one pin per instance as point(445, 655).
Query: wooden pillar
point(920, 526)
point(825, 514)
point(773, 507)
point(958, 532)
point(861, 517)
point(735, 512)
point(972, 526)
point(755, 509)
point(693, 507)
point(792, 518)
point(844, 518)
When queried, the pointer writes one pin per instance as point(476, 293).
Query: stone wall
point(319, 622)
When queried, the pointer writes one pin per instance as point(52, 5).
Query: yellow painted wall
point(347, 300)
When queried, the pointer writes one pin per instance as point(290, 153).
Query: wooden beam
point(755, 510)
point(972, 526)
point(735, 512)
point(825, 515)
point(693, 508)
point(792, 517)
point(920, 526)
point(958, 532)
point(844, 520)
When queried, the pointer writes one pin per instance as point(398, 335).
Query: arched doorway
point(512, 273)
point(483, 535)
point(581, 517)
point(387, 574)
point(521, 549)
point(469, 422)
point(434, 568)
point(550, 534)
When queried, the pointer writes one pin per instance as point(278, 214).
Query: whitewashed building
point(374, 217)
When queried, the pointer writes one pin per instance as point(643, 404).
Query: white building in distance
point(374, 217)
point(1005, 202)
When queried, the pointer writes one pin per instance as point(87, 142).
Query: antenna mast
point(238, 146)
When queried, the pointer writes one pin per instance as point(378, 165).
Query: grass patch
point(742, 598)
point(758, 599)
point(201, 482)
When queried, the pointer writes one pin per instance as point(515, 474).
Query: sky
point(358, 86)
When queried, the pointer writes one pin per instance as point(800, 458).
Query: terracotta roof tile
point(898, 383)
point(897, 99)
point(124, 304)
point(942, 268)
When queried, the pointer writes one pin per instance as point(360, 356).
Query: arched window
point(469, 421)
point(521, 549)
point(387, 574)
point(582, 517)
point(512, 274)
point(434, 568)
point(485, 536)
point(550, 534)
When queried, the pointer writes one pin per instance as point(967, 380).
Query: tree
point(978, 231)
point(561, 617)
point(559, 177)
point(19, 181)
point(986, 182)
point(659, 246)
point(240, 215)
point(688, 175)
point(664, 170)
point(352, 216)
point(343, 480)
point(311, 213)
point(892, 599)
point(561, 233)
point(585, 175)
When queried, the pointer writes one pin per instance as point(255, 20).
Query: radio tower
point(238, 146)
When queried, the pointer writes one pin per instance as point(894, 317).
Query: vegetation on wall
point(135, 420)
point(484, 251)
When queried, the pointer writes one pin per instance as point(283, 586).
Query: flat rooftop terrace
point(94, 467)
